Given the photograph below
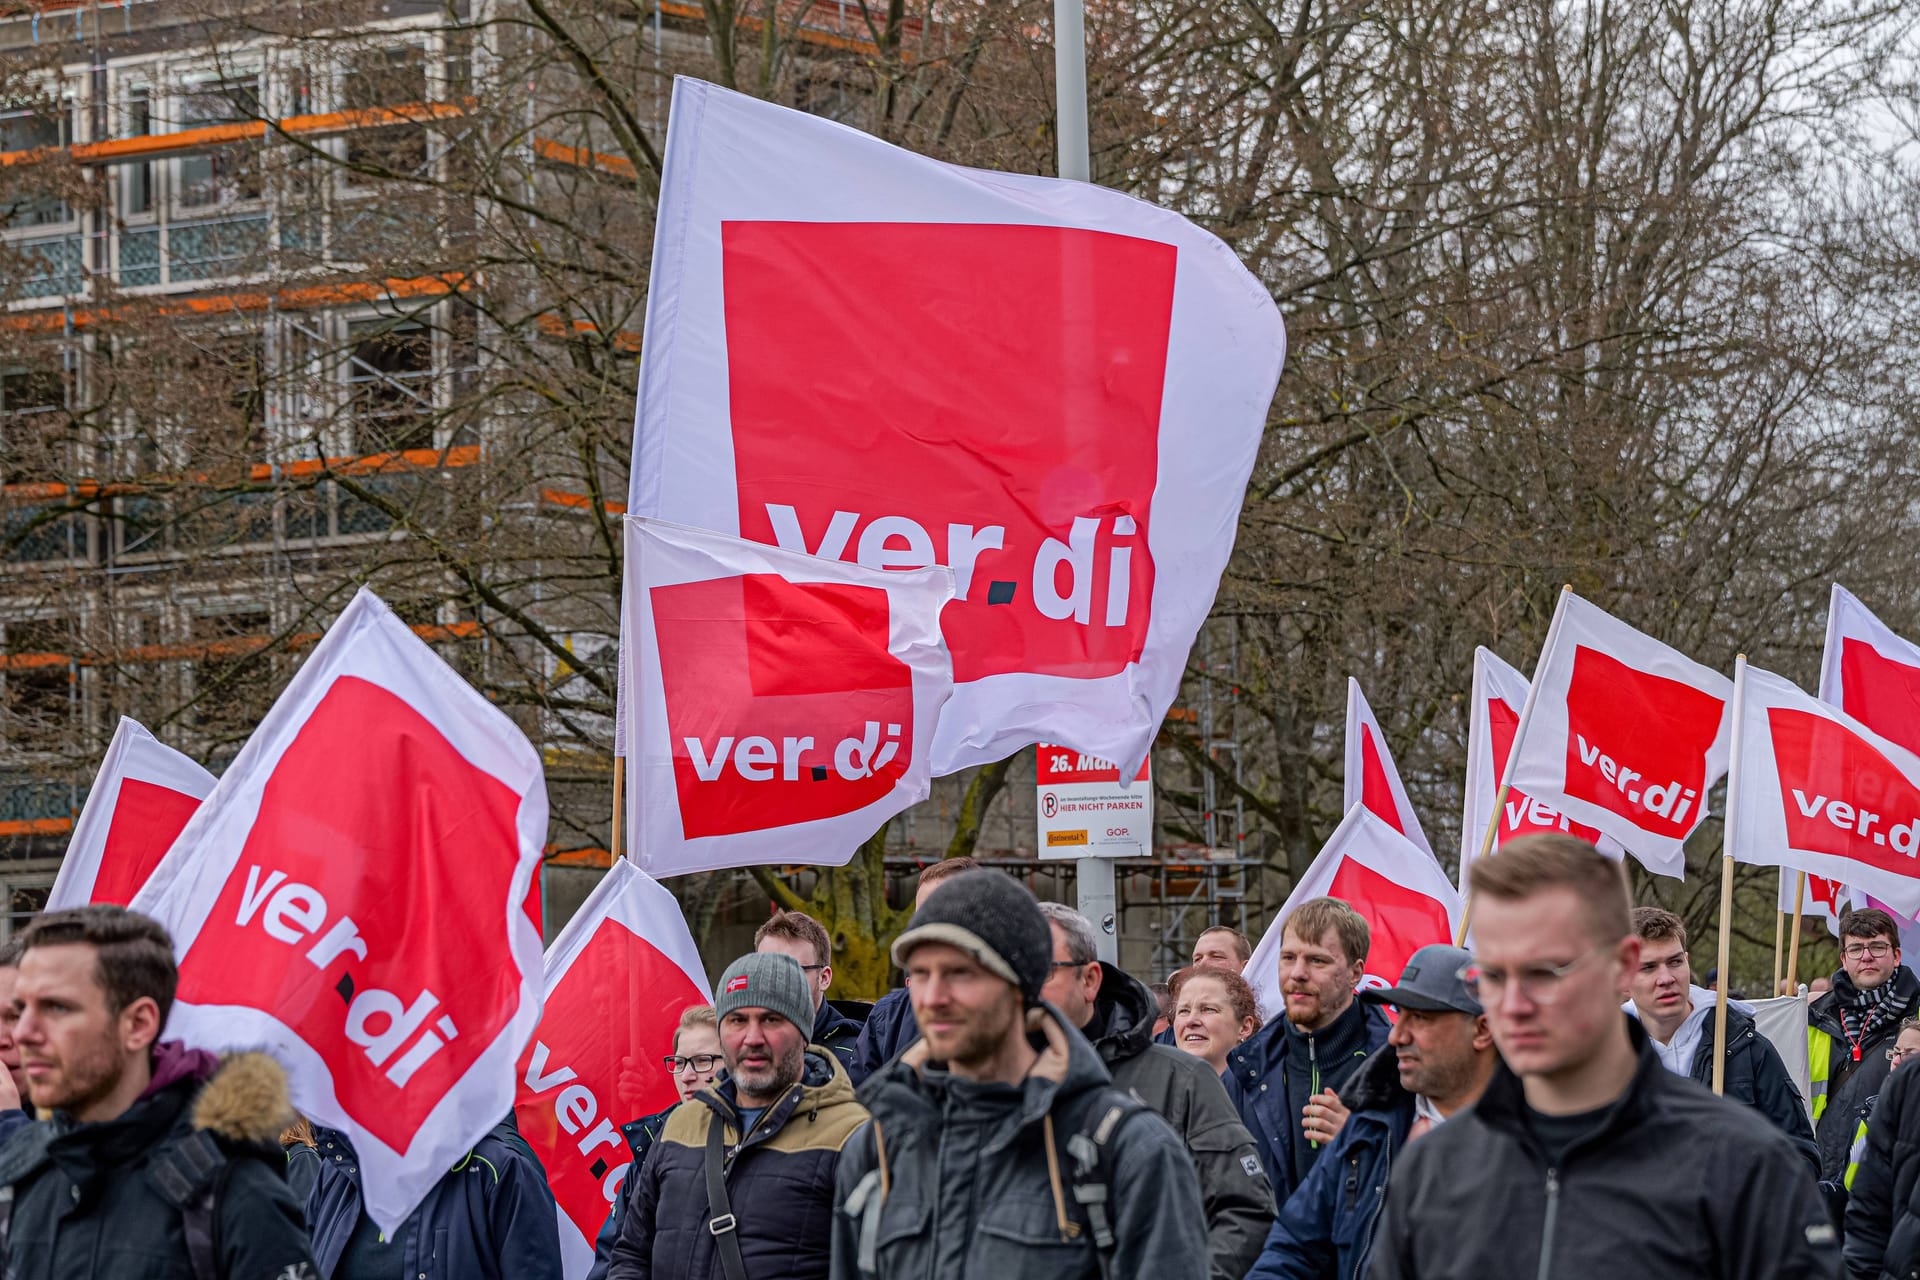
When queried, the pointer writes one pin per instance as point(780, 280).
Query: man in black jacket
point(160, 1162)
point(798, 935)
point(1586, 1157)
point(1849, 1030)
point(890, 1026)
point(1883, 1211)
point(1679, 1018)
point(1115, 1011)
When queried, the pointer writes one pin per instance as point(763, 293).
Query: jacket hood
point(246, 1100)
point(1376, 1085)
point(1123, 1016)
point(174, 1062)
point(1701, 998)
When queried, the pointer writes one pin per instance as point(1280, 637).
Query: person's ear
point(826, 976)
point(1482, 1034)
point(140, 1025)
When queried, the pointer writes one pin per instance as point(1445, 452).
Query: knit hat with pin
point(766, 980)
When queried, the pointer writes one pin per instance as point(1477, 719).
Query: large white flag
point(1396, 885)
point(1055, 389)
point(1816, 790)
point(353, 896)
point(1870, 671)
point(782, 706)
point(1372, 779)
point(1625, 734)
point(142, 796)
point(617, 979)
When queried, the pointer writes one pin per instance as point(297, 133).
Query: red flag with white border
point(141, 798)
point(1818, 791)
point(1055, 389)
point(1825, 899)
point(617, 979)
point(1406, 898)
point(1625, 734)
point(1372, 778)
point(783, 706)
point(351, 897)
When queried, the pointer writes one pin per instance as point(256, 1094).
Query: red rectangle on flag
point(1841, 796)
point(1637, 743)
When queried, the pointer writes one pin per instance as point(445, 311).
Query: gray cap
point(1431, 982)
point(766, 980)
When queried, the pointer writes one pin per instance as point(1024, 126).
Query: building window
point(26, 898)
point(223, 175)
point(233, 675)
point(40, 689)
point(34, 128)
point(390, 385)
point(32, 416)
point(136, 180)
point(393, 77)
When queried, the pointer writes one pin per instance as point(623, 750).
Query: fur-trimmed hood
point(245, 1100)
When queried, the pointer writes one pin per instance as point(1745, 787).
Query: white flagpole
point(1093, 877)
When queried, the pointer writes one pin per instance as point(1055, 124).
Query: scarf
point(1864, 1014)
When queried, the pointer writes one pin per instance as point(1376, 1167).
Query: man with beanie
point(1115, 1011)
point(999, 1147)
point(739, 1184)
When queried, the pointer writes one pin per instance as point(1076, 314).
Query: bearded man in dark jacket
point(1116, 1012)
point(159, 1162)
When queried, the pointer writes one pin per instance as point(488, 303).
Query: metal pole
point(1092, 876)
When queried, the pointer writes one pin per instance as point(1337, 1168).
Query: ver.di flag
point(617, 979)
point(1824, 899)
point(1625, 734)
point(1056, 390)
point(1372, 778)
point(351, 898)
point(1816, 790)
point(782, 706)
point(1499, 698)
point(1870, 672)
point(142, 796)
point(1397, 886)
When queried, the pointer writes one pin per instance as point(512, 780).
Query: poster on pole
point(1085, 811)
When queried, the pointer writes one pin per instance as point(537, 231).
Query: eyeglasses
point(701, 1062)
point(1068, 964)
point(1859, 950)
point(1900, 1055)
point(811, 968)
point(1540, 984)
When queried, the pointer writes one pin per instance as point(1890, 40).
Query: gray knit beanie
point(992, 917)
point(766, 980)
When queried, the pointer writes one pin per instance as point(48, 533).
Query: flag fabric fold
point(1372, 778)
point(142, 796)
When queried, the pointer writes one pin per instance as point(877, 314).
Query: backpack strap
point(1092, 1151)
point(721, 1223)
point(187, 1176)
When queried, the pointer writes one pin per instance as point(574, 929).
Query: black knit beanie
point(990, 916)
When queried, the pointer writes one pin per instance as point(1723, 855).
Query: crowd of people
point(1020, 1108)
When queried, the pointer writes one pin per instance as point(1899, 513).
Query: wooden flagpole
point(619, 807)
point(1779, 942)
point(1793, 952)
point(1726, 880)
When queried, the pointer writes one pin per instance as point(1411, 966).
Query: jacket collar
point(1266, 1049)
point(1504, 1104)
point(823, 1083)
point(1376, 1085)
point(1123, 1014)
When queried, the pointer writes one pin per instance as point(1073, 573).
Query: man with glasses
point(1584, 1156)
point(1679, 1019)
point(799, 935)
point(1849, 1030)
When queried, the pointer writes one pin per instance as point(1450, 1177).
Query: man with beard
point(999, 1149)
point(1285, 1078)
point(740, 1182)
point(1849, 1030)
point(1438, 1060)
point(159, 1162)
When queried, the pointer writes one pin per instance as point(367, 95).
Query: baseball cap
point(1431, 982)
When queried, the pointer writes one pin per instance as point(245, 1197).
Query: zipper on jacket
point(1313, 1075)
point(1546, 1230)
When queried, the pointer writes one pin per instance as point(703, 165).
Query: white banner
point(353, 898)
point(1055, 389)
point(783, 706)
point(1372, 778)
point(142, 796)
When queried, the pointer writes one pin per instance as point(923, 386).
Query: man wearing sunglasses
point(1585, 1156)
point(1849, 1030)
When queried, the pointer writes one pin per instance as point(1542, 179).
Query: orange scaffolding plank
point(464, 455)
point(157, 146)
point(303, 298)
point(231, 647)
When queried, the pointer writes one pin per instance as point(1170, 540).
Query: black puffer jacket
point(86, 1203)
point(836, 1028)
point(780, 1183)
point(1844, 1088)
point(1883, 1211)
point(889, 1030)
point(1185, 1092)
point(1673, 1182)
point(969, 1191)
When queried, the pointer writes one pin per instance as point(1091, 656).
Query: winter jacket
point(1843, 1089)
point(1756, 1076)
point(779, 1182)
point(890, 1028)
point(837, 1030)
point(491, 1217)
point(963, 1186)
point(1273, 1073)
point(1883, 1213)
point(640, 1134)
point(1326, 1227)
point(86, 1203)
point(1671, 1182)
point(1184, 1091)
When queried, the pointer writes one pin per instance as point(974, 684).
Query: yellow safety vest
point(1819, 1062)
